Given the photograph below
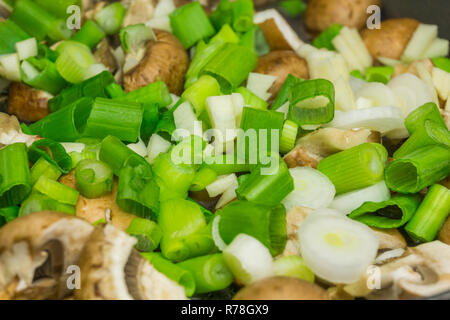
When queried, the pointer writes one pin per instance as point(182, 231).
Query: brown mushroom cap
point(391, 40)
point(165, 60)
point(282, 288)
point(389, 239)
point(281, 64)
point(444, 234)
point(43, 243)
point(26, 103)
point(320, 14)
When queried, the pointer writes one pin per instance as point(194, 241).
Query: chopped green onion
point(416, 119)
point(311, 102)
point(431, 133)
point(325, 39)
point(65, 125)
point(223, 15)
point(93, 87)
point(156, 92)
point(242, 15)
point(231, 66)
point(94, 178)
point(183, 225)
point(118, 118)
point(254, 39)
point(222, 165)
point(190, 24)
point(44, 168)
point(45, 52)
point(431, 214)
point(10, 67)
point(9, 213)
point(206, 86)
point(288, 136)
point(210, 273)
point(357, 74)
point(418, 169)
point(114, 91)
point(267, 224)
point(27, 48)
point(283, 95)
point(204, 177)
point(293, 266)
point(53, 152)
point(74, 61)
point(38, 202)
point(58, 8)
point(90, 34)
point(180, 275)
point(379, 74)
point(267, 189)
point(134, 37)
point(110, 18)
point(293, 8)
point(147, 232)
point(42, 74)
point(116, 154)
point(355, 168)
point(10, 33)
point(56, 190)
point(225, 34)
point(137, 191)
point(392, 213)
point(251, 100)
point(442, 63)
point(15, 180)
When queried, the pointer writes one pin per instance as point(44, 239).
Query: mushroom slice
point(111, 269)
point(324, 142)
point(389, 239)
point(139, 11)
point(41, 246)
point(278, 32)
point(280, 64)
point(165, 60)
point(103, 54)
point(26, 103)
point(444, 233)
point(294, 219)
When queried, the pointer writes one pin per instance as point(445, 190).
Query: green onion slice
point(94, 178)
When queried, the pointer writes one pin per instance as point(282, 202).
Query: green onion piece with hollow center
point(114, 91)
point(149, 121)
point(379, 74)
point(255, 40)
point(53, 152)
point(183, 225)
point(231, 66)
point(288, 136)
point(93, 88)
point(267, 224)
point(442, 63)
point(116, 154)
point(134, 37)
point(416, 119)
point(293, 8)
point(267, 189)
point(206, 86)
point(118, 118)
point(42, 74)
point(137, 191)
point(251, 99)
point(38, 202)
point(431, 133)
point(147, 232)
point(210, 273)
point(94, 178)
point(431, 214)
point(204, 177)
point(10, 33)
point(44, 168)
point(242, 15)
point(56, 191)
point(292, 266)
point(74, 61)
point(45, 52)
point(190, 24)
point(392, 213)
point(15, 180)
point(311, 102)
point(283, 95)
point(418, 169)
point(9, 213)
point(172, 271)
point(325, 39)
point(156, 92)
point(355, 168)
point(90, 34)
point(110, 18)
point(222, 15)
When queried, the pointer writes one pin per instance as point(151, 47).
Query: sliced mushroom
point(139, 11)
point(422, 272)
point(294, 218)
point(324, 142)
point(26, 103)
point(280, 64)
point(111, 269)
point(444, 233)
point(41, 246)
point(93, 210)
point(389, 239)
point(165, 60)
point(10, 131)
point(93, 7)
point(103, 54)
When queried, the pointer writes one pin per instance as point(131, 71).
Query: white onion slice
point(438, 48)
point(221, 185)
point(337, 248)
point(260, 84)
point(221, 113)
point(248, 259)
point(10, 67)
point(352, 200)
point(185, 119)
point(27, 48)
point(421, 39)
point(381, 119)
point(379, 94)
point(157, 145)
point(218, 241)
point(312, 189)
point(228, 196)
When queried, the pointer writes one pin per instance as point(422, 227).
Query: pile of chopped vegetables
point(175, 151)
